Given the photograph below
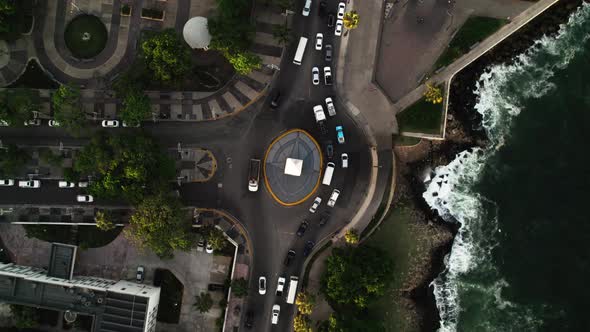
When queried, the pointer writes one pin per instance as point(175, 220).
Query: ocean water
point(521, 258)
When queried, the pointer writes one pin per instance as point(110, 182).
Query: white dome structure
point(196, 34)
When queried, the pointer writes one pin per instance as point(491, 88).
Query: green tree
point(18, 105)
point(128, 166)
point(351, 20)
point(305, 303)
point(351, 236)
point(166, 55)
point(285, 4)
point(47, 156)
point(24, 317)
point(302, 323)
point(136, 107)
point(67, 109)
point(433, 94)
point(7, 9)
point(104, 220)
point(160, 224)
point(243, 62)
point(204, 302)
point(282, 34)
point(13, 160)
point(239, 287)
point(215, 237)
point(354, 275)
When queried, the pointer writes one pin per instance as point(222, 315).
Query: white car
point(327, 75)
point(330, 106)
point(110, 123)
point(66, 184)
point(344, 158)
point(85, 198)
point(276, 310)
point(315, 72)
point(83, 184)
point(33, 122)
point(338, 30)
point(53, 123)
point(131, 124)
point(333, 197)
point(209, 248)
point(306, 8)
point(6, 182)
point(280, 286)
point(319, 39)
point(316, 203)
point(262, 285)
point(29, 184)
point(341, 9)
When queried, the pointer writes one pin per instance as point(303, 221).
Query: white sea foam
point(501, 93)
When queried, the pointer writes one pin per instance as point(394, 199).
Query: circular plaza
point(292, 167)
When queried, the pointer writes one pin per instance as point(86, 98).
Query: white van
point(333, 197)
point(306, 8)
point(328, 173)
point(300, 51)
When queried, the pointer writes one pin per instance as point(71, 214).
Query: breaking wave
point(501, 93)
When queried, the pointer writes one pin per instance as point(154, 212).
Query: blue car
point(340, 134)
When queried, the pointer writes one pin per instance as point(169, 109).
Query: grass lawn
point(86, 36)
point(170, 296)
point(422, 117)
point(475, 29)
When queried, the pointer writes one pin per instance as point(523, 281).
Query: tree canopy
point(203, 302)
point(215, 237)
point(239, 287)
point(302, 323)
point(160, 224)
point(12, 160)
point(166, 55)
point(67, 109)
point(305, 303)
point(354, 275)
point(18, 105)
point(136, 107)
point(129, 166)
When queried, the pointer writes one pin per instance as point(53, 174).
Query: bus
point(292, 289)
point(300, 50)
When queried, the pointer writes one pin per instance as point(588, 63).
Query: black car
point(330, 150)
point(302, 228)
point(275, 100)
point(323, 6)
point(308, 247)
point(331, 20)
point(289, 258)
point(249, 319)
point(324, 217)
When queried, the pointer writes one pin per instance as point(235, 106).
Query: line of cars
point(34, 184)
point(54, 123)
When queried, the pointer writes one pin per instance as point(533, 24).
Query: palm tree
point(351, 20)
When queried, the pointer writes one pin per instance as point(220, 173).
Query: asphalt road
point(233, 141)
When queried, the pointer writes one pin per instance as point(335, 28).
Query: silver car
point(328, 48)
point(316, 203)
point(315, 73)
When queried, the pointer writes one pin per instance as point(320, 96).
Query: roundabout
point(85, 36)
point(292, 167)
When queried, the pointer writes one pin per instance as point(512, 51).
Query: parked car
point(262, 285)
point(131, 124)
point(6, 182)
point(66, 184)
point(280, 286)
point(330, 151)
point(306, 8)
point(140, 274)
point(308, 248)
point(29, 184)
point(324, 217)
point(330, 105)
point(289, 258)
point(201, 244)
point(331, 20)
point(209, 248)
point(33, 122)
point(110, 123)
point(85, 198)
point(276, 310)
point(53, 123)
point(328, 48)
point(328, 75)
point(316, 203)
point(315, 73)
point(302, 228)
point(275, 99)
point(83, 184)
point(319, 39)
point(333, 197)
point(344, 158)
point(341, 9)
point(338, 30)
point(340, 134)
point(249, 321)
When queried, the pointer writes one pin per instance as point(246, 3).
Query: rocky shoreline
point(464, 131)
